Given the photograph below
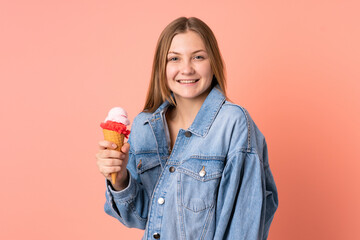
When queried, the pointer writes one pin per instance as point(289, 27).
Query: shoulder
point(233, 113)
point(140, 122)
point(243, 125)
point(141, 118)
point(141, 135)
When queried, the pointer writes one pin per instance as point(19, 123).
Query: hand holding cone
point(114, 129)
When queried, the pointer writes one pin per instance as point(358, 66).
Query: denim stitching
point(207, 221)
point(180, 210)
point(248, 126)
point(147, 167)
point(196, 211)
point(247, 123)
point(131, 205)
point(215, 158)
point(196, 176)
point(145, 151)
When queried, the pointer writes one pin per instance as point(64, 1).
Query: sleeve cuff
point(124, 195)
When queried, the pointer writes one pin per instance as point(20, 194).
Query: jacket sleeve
point(247, 197)
point(130, 205)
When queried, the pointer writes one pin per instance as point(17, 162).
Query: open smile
point(186, 81)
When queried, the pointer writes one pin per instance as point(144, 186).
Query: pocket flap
point(203, 168)
point(145, 162)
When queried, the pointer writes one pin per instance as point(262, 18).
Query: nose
point(187, 68)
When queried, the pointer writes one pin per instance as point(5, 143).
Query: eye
point(199, 57)
point(173, 59)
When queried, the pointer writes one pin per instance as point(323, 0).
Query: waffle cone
point(116, 138)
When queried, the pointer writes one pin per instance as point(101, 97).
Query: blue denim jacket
point(215, 184)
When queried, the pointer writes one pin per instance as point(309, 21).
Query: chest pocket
point(199, 181)
point(149, 169)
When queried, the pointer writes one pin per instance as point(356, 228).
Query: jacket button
point(161, 201)
point(171, 169)
point(156, 235)
point(188, 134)
point(202, 172)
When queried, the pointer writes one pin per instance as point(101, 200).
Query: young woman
point(195, 165)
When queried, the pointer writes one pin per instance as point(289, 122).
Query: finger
point(125, 148)
point(122, 156)
point(108, 170)
point(109, 154)
point(110, 162)
point(104, 144)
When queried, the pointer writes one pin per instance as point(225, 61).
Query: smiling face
point(188, 69)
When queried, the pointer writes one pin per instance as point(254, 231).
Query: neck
point(186, 110)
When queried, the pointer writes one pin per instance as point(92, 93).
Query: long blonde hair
point(158, 90)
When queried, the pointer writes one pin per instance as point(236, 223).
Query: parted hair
point(158, 90)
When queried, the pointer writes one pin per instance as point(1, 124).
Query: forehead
point(187, 41)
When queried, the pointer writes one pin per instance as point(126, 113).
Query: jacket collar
point(204, 117)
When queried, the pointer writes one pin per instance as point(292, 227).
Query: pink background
point(294, 65)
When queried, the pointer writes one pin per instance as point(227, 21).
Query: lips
point(185, 81)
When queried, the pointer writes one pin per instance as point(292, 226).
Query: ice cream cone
point(114, 129)
point(118, 139)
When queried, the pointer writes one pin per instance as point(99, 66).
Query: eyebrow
point(192, 53)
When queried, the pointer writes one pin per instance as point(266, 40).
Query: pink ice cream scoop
point(117, 120)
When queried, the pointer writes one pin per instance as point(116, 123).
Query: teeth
point(187, 81)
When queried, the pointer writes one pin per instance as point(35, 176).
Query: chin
point(193, 96)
